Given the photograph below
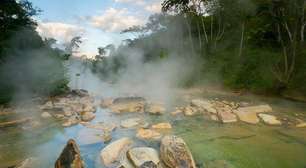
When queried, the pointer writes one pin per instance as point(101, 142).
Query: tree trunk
point(242, 39)
point(190, 36)
point(204, 29)
point(199, 36)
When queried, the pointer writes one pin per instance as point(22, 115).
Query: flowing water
point(239, 145)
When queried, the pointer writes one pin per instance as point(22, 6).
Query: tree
point(73, 45)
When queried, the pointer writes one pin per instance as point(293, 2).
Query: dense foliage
point(28, 64)
point(251, 44)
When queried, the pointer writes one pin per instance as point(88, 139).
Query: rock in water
point(248, 117)
point(88, 116)
point(269, 119)
point(162, 126)
point(111, 153)
point(148, 134)
point(256, 109)
point(141, 155)
point(131, 122)
point(155, 108)
point(28, 163)
point(175, 153)
point(148, 164)
point(227, 117)
point(70, 157)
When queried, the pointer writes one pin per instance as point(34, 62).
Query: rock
point(190, 111)
point(111, 153)
point(105, 103)
point(123, 100)
point(102, 126)
point(148, 164)
point(248, 117)
point(256, 109)
point(301, 125)
point(28, 163)
point(70, 122)
point(131, 122)
point(127, 107)
point(214, 117)
point(204, 104)
point(175, 153)
point(70, 157)
point(148, 134)
point(155, 108)
point(107, 137)
point(162, 126)
point(45, 115)
point(227, 117)
point(47, 106)
point(88, 116)
point(269, 119)
point(79, 92)
point(141, 155)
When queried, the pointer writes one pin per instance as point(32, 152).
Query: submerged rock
point(139, 156)
point(162, 126)
point(105, 103)
point(70, 157)
point(175, 153)
point(148, 134)
point(131, 122)
point(269, 119)
point(111, 153)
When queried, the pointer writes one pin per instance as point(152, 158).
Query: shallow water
point(240, 145)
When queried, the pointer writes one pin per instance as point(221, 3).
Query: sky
point(98, 22)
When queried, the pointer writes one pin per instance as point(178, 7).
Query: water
point(240, 145)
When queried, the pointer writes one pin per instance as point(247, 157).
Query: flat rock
point(269, 119)
point(256, 109)
point(301, 125)
point(227, 117)
point(248, 117)
point(148, 134)
point(175, 153)
point(162, 126)
point(204, 104)
point(141, 155)
point(190, 111)
point(105, 103)
point(111, 153)
point(131, 122)
point(127, 107)
point(70, 157)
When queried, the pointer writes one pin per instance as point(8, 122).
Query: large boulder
point(111, 153)
point(141, 155)
point(227, 116)
point(70, 157)
point(248, 117)
point(127, 107)
point(175, 153)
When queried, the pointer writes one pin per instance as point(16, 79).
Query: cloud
point(62, 32)
point(154, 7)
point(137, 2)
point(115, 20)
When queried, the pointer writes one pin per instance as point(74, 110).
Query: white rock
point(131, 122)
point(141, 155)
point(111, 153)
point(269, 119)
point(45, 115)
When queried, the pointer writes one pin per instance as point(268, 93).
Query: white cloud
point(137, 2)
point(60, 31)
point(154, 7)
point(115, 20)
